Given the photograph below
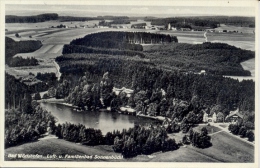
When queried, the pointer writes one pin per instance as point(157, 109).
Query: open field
point(249, 65)
point(235, 28)
point(41, 25)
point(24, 71)
point(243, 40)
point(43, 67)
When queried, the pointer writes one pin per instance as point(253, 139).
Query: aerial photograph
point(129, 83)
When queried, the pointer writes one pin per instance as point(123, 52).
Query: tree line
point(179, 22)
point(116, 39)
point(31, 19)
point(55, 16)
point(242, 131)
point(133, 50)
point(204, 21)
point(12, 48)
point(131, 142)
point(19, 61)
point(134, 141)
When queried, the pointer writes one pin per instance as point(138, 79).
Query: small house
point(234, 116)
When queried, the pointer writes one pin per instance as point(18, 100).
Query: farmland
point(53, 39)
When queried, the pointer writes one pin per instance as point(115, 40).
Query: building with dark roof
point(234, 116)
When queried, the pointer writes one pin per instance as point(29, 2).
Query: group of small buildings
point(232, 117)
point(149, 27)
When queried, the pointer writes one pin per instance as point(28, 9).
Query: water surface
point(105, 121)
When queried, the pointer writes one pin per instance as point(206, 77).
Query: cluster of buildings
point(150, 27)
point(233, 117)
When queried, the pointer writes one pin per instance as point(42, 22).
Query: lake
point(105, 121)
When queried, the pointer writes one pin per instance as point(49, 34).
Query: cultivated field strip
point(44, 49)
point(55, 49)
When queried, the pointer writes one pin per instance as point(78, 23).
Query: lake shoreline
point(62, 102)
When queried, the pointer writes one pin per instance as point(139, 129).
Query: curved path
point(58, 74)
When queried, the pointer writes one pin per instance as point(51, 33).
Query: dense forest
point(19, 61)
point(214, 58)
point(49, 78)
point(133, 50)
point(17, 93)
point(192, 92)
point(31, 19)
point(180, 97)
point(118, 39)
point(12, 47)
point(21, 127)
point(116, 43)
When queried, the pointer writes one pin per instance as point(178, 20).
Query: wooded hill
point(116, 43)
point(115, 39)
point(209, 89)
point(214, 58)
